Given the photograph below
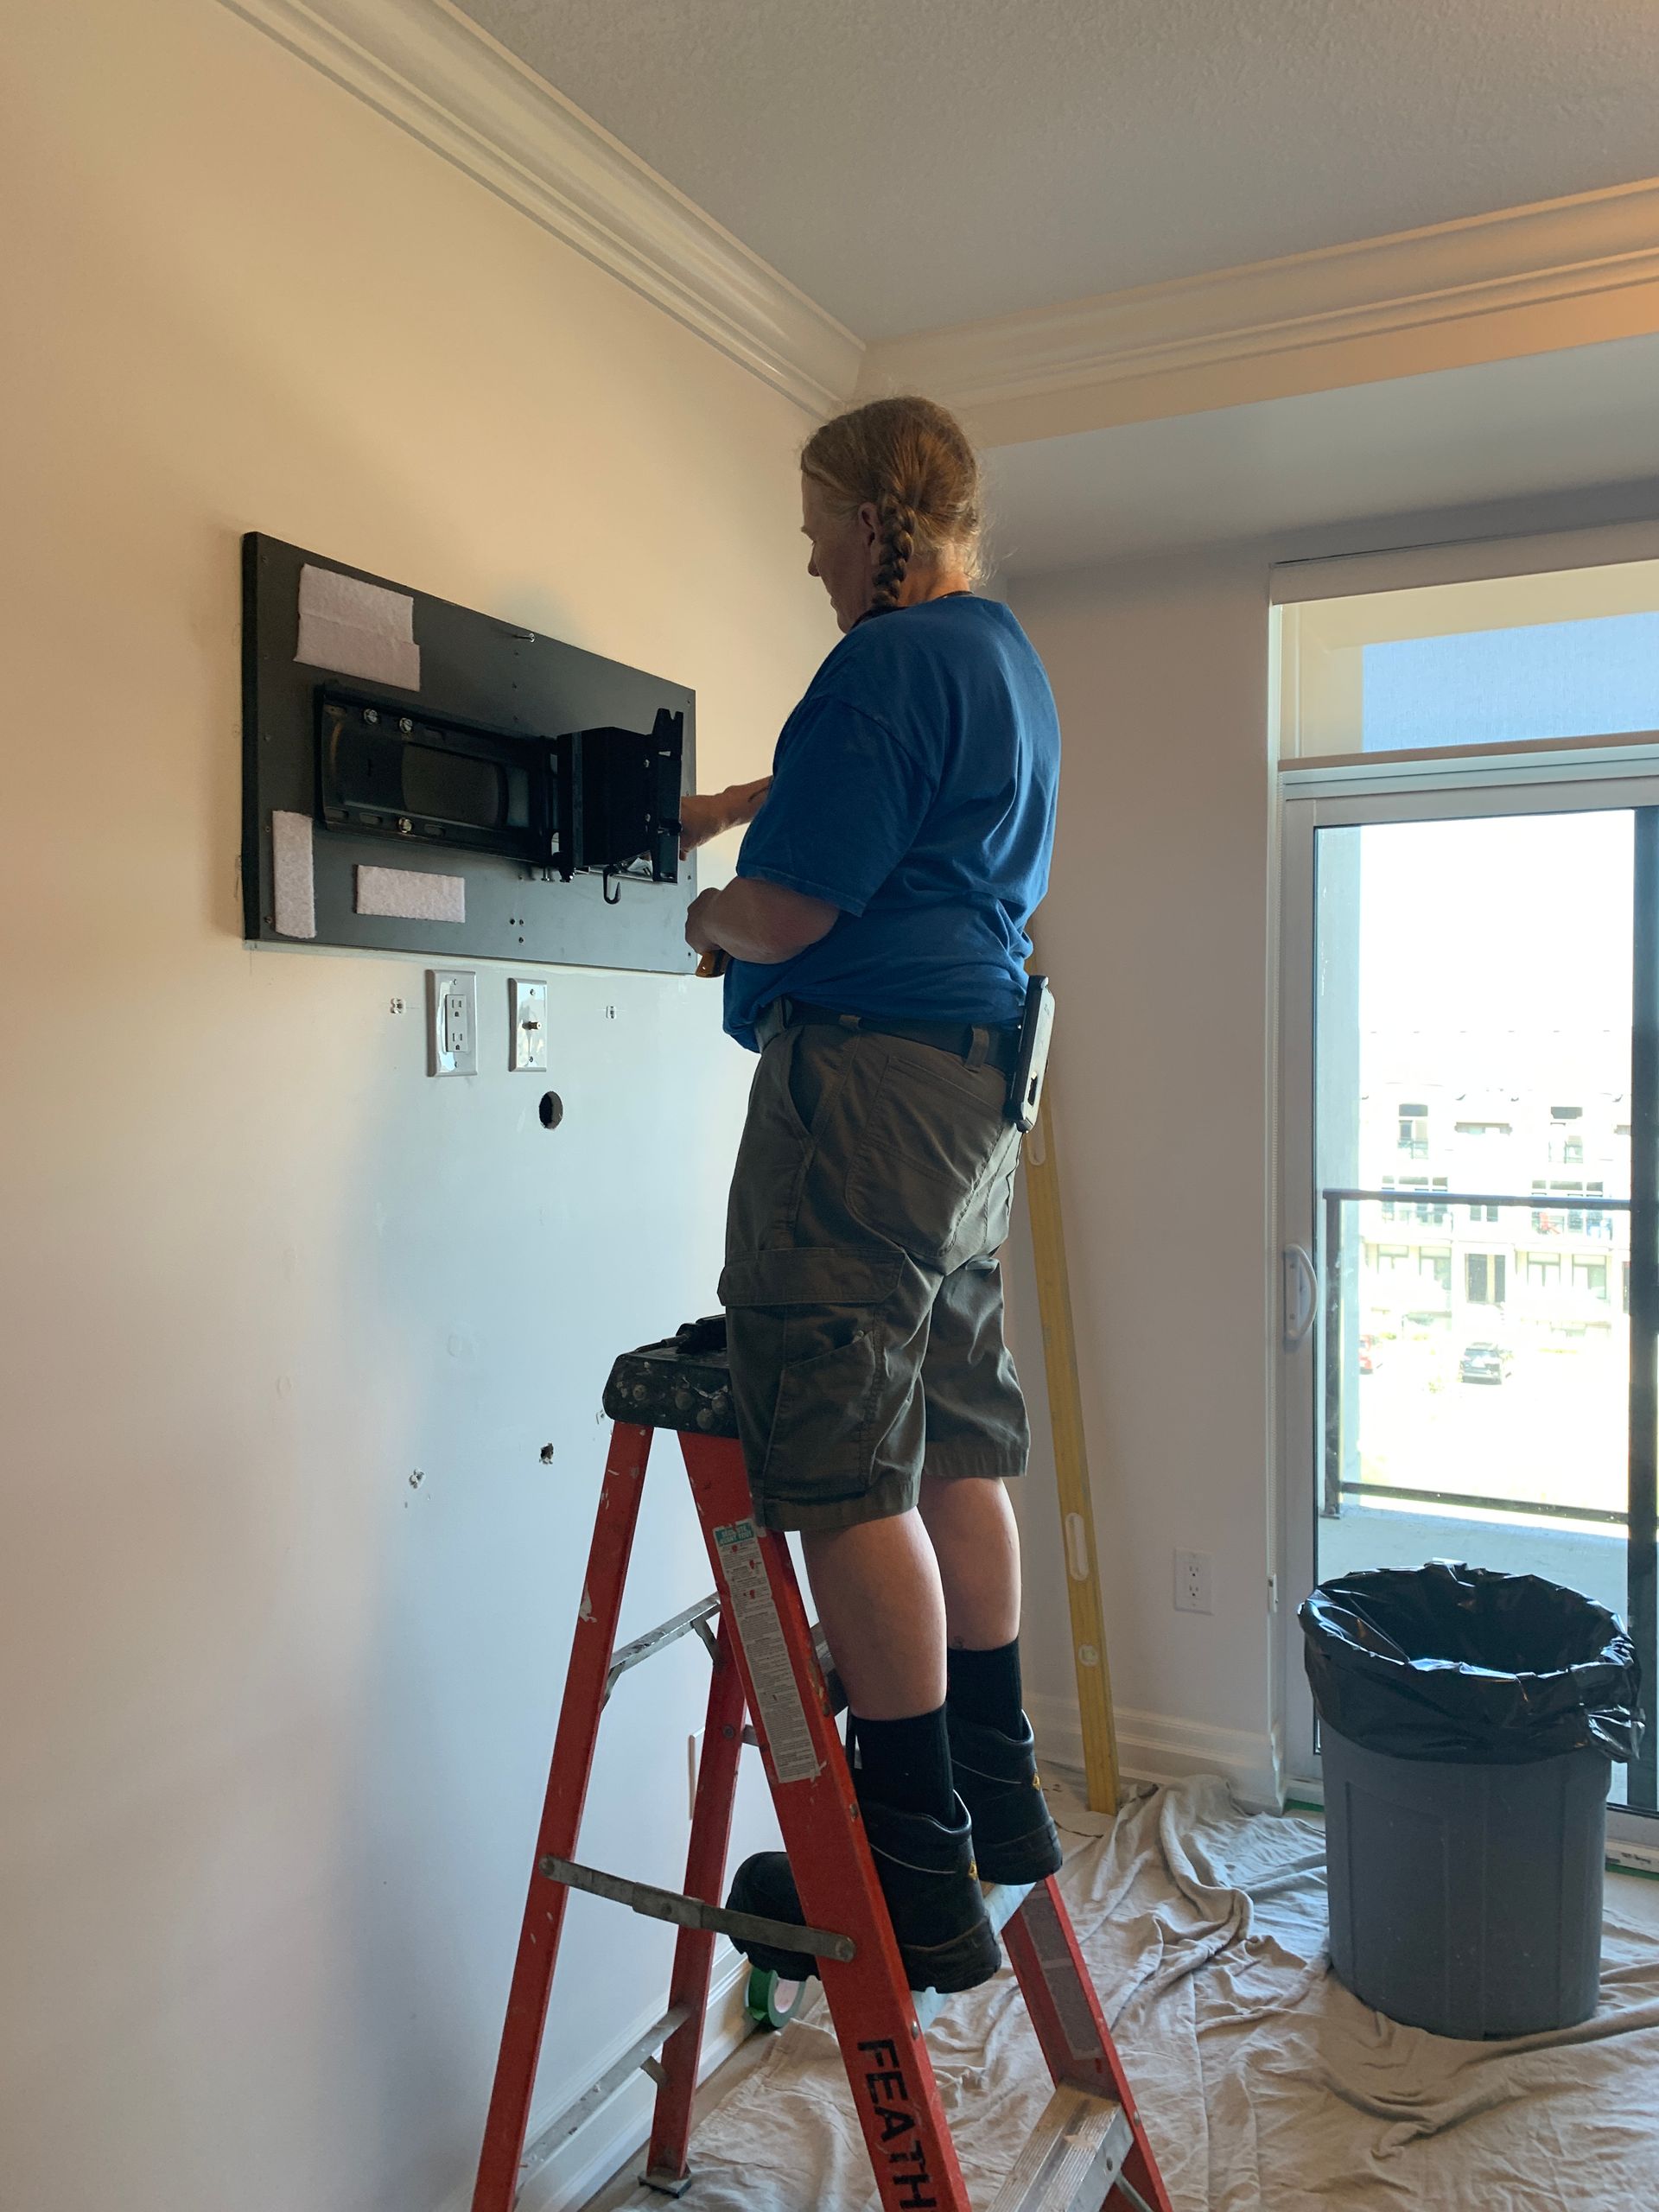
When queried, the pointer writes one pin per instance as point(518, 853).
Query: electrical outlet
point(1192, 1582)
point(451, 1022)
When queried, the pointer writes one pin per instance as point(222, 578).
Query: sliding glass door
point(1471, 1118)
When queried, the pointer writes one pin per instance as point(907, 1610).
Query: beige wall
point(1156, 932)
point(277, 1722)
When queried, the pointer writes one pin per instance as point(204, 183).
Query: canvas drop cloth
point(1265, 2086)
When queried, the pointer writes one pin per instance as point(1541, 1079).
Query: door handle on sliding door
point(1301, 1285)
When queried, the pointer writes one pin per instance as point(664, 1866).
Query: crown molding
point(430, 70)
point(1526, 280)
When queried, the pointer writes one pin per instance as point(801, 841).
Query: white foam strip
point(293, 876)
point(411, 895)
point(358, 629)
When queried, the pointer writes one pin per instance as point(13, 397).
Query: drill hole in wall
point(552, 1109)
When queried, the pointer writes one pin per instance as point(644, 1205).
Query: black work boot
point(927, 1876)
point(1014, 1838)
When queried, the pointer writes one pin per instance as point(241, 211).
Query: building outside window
point(1564, 1219)
point(1430, 1216)
point(1566, 1136)
point(1413, 1128)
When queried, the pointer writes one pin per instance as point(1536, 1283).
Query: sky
point(1492, 687)
point(1512, 922)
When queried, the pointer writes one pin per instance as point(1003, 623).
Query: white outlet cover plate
point(451, 1021)
point(1193, 1583)
point(526, 1022)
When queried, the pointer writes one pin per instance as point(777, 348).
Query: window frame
point(1311, 795)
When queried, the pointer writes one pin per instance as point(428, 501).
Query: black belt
point(979, 1044)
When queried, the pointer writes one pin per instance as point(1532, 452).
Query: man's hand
point(763, 923)
point(698, 916)
point(704, 815)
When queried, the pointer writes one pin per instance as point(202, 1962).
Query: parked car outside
point(1484, 1362)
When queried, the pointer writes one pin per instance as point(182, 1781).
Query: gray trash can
point(1468, 1724)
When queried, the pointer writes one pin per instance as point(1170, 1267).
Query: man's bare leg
point(971, 1526)
point(889, 1591)
point(886, 1591)
point(882, 1608)
point(993, 1757)
point(882, 1603)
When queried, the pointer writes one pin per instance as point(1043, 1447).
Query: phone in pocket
point(1036, 1026)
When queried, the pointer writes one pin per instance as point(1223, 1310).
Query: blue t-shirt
point(913, 788)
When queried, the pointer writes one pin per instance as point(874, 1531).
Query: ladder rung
point(1002, 1901)
point(1073, 2156)
point(658, 1638)
point(638, 2055)
point(645, 1897)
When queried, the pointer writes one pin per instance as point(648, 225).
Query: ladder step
point(1002, 1901)
point(1073, 2156)
point(574, 2117)
point(694, 1619)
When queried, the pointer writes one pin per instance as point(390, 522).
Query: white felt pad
point(411, 895)
point(294, 879)
point(358, 629)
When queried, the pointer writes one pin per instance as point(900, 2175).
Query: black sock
point(984, 1686)
point(905, 1765)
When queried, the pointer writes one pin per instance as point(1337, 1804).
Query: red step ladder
point(1088, 2151)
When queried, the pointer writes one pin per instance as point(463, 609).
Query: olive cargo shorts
point(863, 1297)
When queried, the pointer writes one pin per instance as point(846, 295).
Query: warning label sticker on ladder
point(754, 1617)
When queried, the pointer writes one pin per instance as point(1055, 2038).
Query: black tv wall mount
point(432, 780)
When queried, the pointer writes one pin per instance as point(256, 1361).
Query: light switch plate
point(451, 1022)
point(526, 1023)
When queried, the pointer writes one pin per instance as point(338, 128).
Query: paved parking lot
point(1553, 1433)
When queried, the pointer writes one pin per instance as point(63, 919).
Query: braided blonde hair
point(910, 460)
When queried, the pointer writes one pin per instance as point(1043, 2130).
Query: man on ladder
point(865, 1396)
point(874, 944)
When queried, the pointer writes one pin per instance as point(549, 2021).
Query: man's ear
point(868, 523)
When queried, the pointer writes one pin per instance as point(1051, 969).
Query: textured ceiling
point(1503, 431)
point(911, 163)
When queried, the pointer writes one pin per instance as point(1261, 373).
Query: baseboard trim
point(1161, 1747)
point(559, 2174)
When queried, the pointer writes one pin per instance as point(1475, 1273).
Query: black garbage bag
point(1454, 1662)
